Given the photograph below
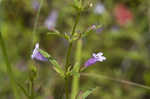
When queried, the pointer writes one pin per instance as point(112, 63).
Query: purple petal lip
point(94, 59)
point(37, 55)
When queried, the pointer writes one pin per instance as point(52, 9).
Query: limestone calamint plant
point(39, 54)
point(70, 69)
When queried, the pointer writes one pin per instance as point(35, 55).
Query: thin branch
point(116, 80)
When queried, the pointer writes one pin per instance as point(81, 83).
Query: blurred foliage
point(126, 47)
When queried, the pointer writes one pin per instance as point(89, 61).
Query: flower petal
point(37, 55)
point(90, 62)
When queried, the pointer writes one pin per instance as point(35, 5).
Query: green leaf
point(23, 90)
point(91, 30)
point(53, 33)
point(53, 61)
point(75, 74)
point(76, 36)
point(88, 92)
point(57, 67)
point(78, 5)
point(32, 72)
point(45, 54)
point(56, 33)
point(66, 36)
point(75, 70)
point(76, 67)
point(59, 71)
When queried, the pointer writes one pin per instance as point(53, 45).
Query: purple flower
point(35, 5)
point(99, 29)
point(99, 9)
point(50, 22)
point(115, 28)
point(93, 27)
point(94, 59)
point(37, 55)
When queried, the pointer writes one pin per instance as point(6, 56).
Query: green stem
point(70, 43)
point(14, 83)
point(68, 56)
point(75, 81)
point(32, 89)
point(8, 66)
point(36, 22)
point(23, 90)
point(34, 40)
point(67, 87)
point(76, 22)
point(99, 76)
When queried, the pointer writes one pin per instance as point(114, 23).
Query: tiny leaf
point(65, 35)
point(88, 92)
point(91, 29)
point(56, 66)
point(53, 61)
point(75, 74)
point(45, 54)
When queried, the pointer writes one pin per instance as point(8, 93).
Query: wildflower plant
point(70, 69)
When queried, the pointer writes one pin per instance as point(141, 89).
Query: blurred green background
point(124, 40)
